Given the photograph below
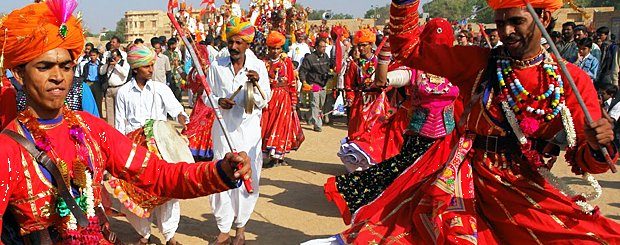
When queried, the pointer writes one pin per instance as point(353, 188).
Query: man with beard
point(567, 46)
point(242, 117)
point(494, 187)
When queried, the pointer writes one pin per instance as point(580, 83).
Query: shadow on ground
point(301, 196)
point(331, 169)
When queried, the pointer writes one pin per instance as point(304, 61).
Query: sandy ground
point(292, 207)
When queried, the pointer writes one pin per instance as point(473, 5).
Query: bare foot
point(239, 236)
point(223, 239)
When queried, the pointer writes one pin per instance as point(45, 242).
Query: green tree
point(382, 14)
point(120, 31)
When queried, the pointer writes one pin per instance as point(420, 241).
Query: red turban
point(550, 5)
point(364, 36)
point(438, 31)
point(323, 35)
point(275, 39)
point(34, 30)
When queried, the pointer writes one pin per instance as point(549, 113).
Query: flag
point(172, 4)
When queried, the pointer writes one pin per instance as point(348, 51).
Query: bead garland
point(519, 97)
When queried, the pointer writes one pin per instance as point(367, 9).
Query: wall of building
point(567, 14)
point(146, 24)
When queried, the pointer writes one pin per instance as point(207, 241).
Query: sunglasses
point(461, 36)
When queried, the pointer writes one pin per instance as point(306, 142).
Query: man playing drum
point(53, 159)
point(137, 102)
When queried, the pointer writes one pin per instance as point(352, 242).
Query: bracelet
point(383, 62)
point(385, 53)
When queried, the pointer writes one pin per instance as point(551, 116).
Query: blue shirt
point(589, 64)
point(93, 72)
point(88, 101)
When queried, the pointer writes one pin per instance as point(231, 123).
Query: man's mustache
point(232, 51)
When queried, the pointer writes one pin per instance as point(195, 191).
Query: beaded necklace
point(367, 69)
point(521, 101)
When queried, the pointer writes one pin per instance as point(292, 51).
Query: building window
point(141, 24)
point(154, 23)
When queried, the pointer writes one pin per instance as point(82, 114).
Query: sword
point(203, 79)
point(568, 77)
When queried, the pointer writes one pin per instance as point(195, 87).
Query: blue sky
point(105, 13)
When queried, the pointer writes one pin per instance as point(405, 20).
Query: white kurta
point(134, 106)
point(245, 132)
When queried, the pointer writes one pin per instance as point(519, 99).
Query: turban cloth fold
point(550, 5)
point(275, 39)
point(438, 31)
point(33, 31)
point(139, 56)
point(324, 35)
point(236, 27)
point(364, 36)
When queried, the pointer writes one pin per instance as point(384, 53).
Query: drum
point(163, 140)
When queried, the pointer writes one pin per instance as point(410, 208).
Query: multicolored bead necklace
point(520, 100)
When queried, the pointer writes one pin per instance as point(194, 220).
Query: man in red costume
point(495, 188)
point(79, 146)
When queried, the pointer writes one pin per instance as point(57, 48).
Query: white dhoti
point(166, 217)
point(236, 206)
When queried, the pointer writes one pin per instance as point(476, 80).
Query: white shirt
point(212, 53)
point(108, 54)
point(162, 65)
point(118, 74)
point(615, 111)
point(80, 65)
point(244, 128)
point(134, 105)
point(298, 51)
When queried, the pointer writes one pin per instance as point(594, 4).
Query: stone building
point(146, 24)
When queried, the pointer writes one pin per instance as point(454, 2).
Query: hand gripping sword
point(203, 80)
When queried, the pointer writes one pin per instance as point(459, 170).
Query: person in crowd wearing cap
point(299, 49)
point(280, 123)
point(495, 187)
point(58, 200)
point(139, 101)
point(242, 117)
point(315, 71)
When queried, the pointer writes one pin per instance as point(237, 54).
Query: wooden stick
point(236, 92)
point(569, 78)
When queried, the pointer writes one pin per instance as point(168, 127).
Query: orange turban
point(275, 39)
point(34, 30)
point(550, 5)
point(364, 36)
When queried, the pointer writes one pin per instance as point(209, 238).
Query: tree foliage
point(318, 15)
point(121, 29)
point(382, 13)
